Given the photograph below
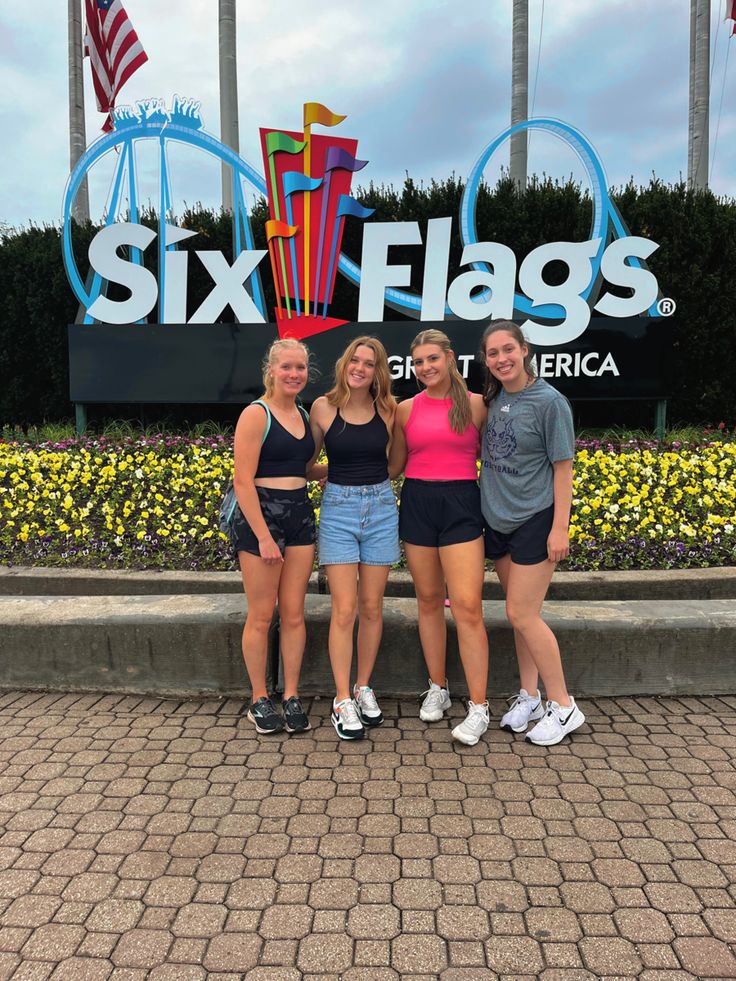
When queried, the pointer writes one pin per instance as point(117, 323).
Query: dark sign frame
point(221, 363)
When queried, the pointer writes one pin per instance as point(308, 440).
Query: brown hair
point(383, 399)
point(492, 386)
point(272, 354)
point(459, 413)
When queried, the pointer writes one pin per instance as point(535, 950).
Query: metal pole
point(519, 91)
point(700, 82)
point(229, 129)
point(691, 94)
point(77, 130)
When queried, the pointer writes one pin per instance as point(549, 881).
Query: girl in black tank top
point(273, 530)
point(356, 454)
point(358, 532)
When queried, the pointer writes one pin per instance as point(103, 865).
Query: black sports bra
point(284, 455)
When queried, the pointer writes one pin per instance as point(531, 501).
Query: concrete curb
point(191, 644)
point(666, 584)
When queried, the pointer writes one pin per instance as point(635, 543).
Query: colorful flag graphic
point(114, 50)
point(316, 113)
point(307, 178)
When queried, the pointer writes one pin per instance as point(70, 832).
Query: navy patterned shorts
point(288, 514)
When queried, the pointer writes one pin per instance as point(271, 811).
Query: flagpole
point(699, 128)
point(519, 91)
point(229, 128)
point(77, 131)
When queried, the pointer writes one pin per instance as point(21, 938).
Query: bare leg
point(295, 571)
point(261, 585)
point(429, 585)
point(527, 587)
point(462, 565)
point(343, 581)
point(372, 585)
point(528, 674)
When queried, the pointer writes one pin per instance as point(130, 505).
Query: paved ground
point(161, 840)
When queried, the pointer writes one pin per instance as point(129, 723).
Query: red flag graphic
point(114, 50)
point(731, 14)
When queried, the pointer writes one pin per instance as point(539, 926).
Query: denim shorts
point(358, 524)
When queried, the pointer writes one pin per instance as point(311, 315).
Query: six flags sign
point(307, 182)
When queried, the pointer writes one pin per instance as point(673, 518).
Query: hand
point(558, 544)
point(269, 551)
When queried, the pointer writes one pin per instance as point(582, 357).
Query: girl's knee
point(430, 602)
point(519, 615)
point(371, 610)
point(343, 614)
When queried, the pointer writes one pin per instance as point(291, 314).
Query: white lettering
point(549, 365)
point(140, 281)
point(229, 288)
point(588, 359)
point(499, 301)
point(577, 256)
point(176, 270)
point(563, 364)
point(376, 274)
point(464, 360)
point(609, 365)
point(436, 265)
point(616, 271)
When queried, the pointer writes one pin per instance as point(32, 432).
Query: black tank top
point(356, 454)
point(283, 455)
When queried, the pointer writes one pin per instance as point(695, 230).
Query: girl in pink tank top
point(437, 442)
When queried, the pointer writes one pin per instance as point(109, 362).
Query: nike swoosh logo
point(565, 721)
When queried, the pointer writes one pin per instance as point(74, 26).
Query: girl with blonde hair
point(436, 442)
point(273, 529)
point(358, 526)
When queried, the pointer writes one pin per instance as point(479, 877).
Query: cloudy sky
point(425, 85)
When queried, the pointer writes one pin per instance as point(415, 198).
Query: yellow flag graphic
point(315, 112)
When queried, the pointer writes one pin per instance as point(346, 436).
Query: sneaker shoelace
point(264, 706)
point(477, 716)
point(433, 698)
point(348, 713)
point(367, 698)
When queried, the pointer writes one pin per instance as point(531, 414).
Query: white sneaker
point(436, 702)
point(346, 719)
point(368, 708)
point(473, 725)
point(557, 723)
point(525, 708)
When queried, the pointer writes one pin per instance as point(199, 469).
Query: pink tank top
point(435, 451)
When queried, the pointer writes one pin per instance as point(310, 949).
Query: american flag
point(114, 50)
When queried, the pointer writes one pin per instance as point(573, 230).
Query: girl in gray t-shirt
point(527, 452)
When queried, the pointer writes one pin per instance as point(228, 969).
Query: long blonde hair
point(383, 399)
point(459, 413)
point(270, 358)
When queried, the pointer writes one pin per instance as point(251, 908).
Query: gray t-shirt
point(526, 432)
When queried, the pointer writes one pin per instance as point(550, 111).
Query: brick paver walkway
point(161, 840)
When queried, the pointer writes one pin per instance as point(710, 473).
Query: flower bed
point(152, 502)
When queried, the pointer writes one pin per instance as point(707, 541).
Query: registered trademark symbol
point(666, 307)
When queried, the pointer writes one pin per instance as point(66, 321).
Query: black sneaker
point(295, 718)
point(265, 717)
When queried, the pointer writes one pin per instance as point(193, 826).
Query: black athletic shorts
point(435, 513)
point(288, 514)
point(527, 544)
